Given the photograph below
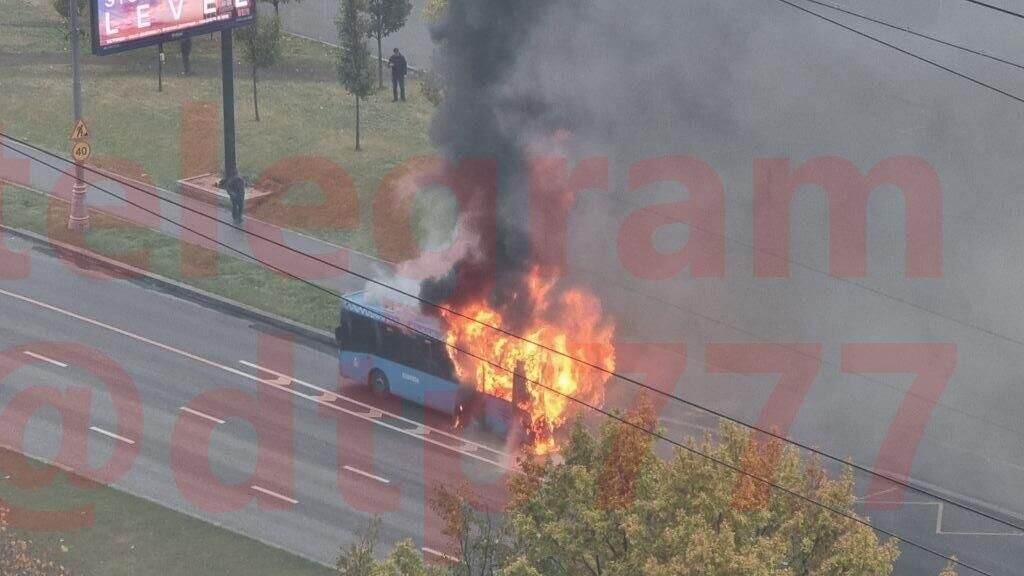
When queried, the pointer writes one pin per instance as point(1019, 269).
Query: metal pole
point(228, 89)
point(160, 69)
point(79, 217)
point(232, 183)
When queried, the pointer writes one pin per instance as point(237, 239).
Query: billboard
point(119, 25)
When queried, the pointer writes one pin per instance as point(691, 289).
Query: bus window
point(440, 362)
point(363, 334)
point(395, 345)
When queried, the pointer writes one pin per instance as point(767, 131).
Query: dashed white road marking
point(111, 435)
point(373, 414)
point(236, 372)
point(202, 415)
point(367, 474)
point(447, 557)
point(273, 494)
point(44, 359)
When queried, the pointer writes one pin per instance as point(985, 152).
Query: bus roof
point(383, 309)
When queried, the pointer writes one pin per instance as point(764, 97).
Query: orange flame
point(579, 330)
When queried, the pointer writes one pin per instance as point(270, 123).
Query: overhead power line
point(632, 381)
point(907, 30)
point(904, 51)
point(608, 414)
point(996, 8)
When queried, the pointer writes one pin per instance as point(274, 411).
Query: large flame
point(578, 330)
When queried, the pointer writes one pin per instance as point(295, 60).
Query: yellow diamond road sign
point(80, 132)
point(81, 151)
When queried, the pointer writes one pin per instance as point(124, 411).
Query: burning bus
point(463, 364)
point(397, 351)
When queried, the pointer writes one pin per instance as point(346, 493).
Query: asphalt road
point(175, 351)
point(349, 462)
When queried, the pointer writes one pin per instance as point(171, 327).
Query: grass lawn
point(237, 279)
point(304, 112)
point(134, 537)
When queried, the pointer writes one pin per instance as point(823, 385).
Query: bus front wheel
point(379, 386)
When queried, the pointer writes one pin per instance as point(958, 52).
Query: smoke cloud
point(729, 83)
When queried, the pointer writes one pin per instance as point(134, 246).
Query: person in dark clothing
point(399, 67)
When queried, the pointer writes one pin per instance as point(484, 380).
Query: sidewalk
point(161, 210)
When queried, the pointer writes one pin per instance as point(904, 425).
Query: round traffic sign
point(81, 151)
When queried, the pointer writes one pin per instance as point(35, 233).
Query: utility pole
point(234, 185)
point(79, 217)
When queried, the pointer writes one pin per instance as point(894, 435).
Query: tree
point(405, 560)
point(385, 18)
point(612, 508)
point(354, 58)
point(277, 5)
point(261, 48)
point(482, 537)
point(434, 9)
point(18, 556)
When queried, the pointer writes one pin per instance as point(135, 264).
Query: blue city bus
point(377, 347)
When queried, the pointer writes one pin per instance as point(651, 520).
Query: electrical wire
point(906, 29)
point(635, 382)
point(611, 415)
point(904, 51)
point(994, 7)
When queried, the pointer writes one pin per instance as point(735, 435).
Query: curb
point(320, 338)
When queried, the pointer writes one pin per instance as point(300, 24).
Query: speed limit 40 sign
point(81, 151)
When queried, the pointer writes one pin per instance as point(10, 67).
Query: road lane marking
point(433, 552)
point(241, 374)
point(940, 507)
point(877, 494)
point(273, 494)
point(367, 474)
point(201, 415)
point(44, 359)
point(111, 434)
point(419, 428)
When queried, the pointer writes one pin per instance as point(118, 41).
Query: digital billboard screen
point(119, 25)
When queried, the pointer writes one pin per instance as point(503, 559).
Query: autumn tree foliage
point(612, 506)
point(18, 557)
point(359, 558)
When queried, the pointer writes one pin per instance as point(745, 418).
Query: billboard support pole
point(232, 182)
point(78, 219)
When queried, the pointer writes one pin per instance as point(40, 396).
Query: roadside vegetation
point(612, 507)
point(128, 536)
point(136, 131)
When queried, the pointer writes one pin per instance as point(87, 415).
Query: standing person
point(399, 67)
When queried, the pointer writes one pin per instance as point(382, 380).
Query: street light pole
point(232, 182)
point(79, 217)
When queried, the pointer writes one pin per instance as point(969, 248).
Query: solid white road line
point(201, 415)
point(367, 474)
point(271, 493)
point(440, 554)
point(242, 374)
point(44, 359)
point(111, 434)
point(939, 509)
